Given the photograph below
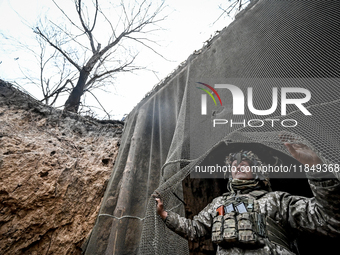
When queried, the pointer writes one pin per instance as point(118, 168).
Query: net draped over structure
point(277, 43)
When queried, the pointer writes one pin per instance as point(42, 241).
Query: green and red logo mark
point(204, 97)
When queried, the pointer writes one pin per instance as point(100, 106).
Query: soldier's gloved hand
point(159, 205)
point(307, 157)
point(303, 154)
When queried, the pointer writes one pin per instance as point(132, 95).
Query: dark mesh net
point(279, 43)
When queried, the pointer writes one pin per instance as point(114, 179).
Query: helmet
point(254, 160)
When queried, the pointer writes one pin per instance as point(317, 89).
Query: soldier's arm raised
point(198, 227)
point(319, 214)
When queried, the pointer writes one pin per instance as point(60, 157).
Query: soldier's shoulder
point(276, 193)
point(217, 201)
point(274, 196)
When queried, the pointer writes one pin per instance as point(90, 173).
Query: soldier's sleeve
point(319, 214)
point(198, 227)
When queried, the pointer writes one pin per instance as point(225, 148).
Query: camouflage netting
point(279, 43)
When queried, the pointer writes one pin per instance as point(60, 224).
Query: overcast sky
point(189, 25)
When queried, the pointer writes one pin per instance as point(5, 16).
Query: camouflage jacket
point(319, 214)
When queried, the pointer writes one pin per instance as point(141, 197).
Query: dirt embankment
point(54, 168)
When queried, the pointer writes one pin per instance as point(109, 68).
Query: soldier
point(251, 219)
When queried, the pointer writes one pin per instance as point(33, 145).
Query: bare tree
point(233, 8)
point(51, 85)
point(80, 43)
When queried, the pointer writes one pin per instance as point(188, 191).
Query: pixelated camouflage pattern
point(250, 156)
point(320, 214)
point(244, 155)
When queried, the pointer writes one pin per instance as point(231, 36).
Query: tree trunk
point(73, 101)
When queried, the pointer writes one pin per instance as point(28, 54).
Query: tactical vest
point(238, 222)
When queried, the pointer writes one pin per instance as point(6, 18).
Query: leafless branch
point(67, 17)
point(72, 37)
point(108, 72)
point(109, 22)
point(86, 29)
point(232, 8)
point(60, 90)
point(147, 46)
point(37, 31)
point(108, 115)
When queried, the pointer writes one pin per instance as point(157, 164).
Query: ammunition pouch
point(217, 229)
point(246, 228)
point(238, 229)
point(230, 228)
point(239, 223)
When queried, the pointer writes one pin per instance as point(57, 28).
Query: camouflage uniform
point(320, 214)
point(274, 218)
